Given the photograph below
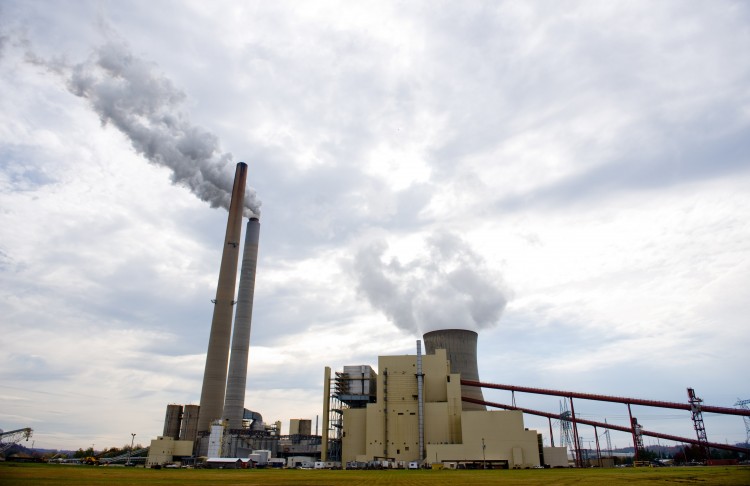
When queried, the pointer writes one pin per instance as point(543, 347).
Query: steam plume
point(144, 105)
point(449, 287)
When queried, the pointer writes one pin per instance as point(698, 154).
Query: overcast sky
point(570, 179)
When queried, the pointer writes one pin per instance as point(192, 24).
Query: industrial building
point(416, 410)
point(221, 427)
point(221, 420)
point(412, 411)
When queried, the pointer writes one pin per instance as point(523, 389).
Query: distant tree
point(679, 457)
point(692, 453)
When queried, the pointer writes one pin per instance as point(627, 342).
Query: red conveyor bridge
point(635, 429)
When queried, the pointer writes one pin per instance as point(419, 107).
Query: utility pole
point(484, 457)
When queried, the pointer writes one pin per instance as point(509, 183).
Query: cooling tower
point(172, 421)
point(217, 357)
point(189, 430)
point(461, 348)
point(234, 404)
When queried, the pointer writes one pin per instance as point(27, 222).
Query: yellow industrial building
point(389, 429)
point(164, 450)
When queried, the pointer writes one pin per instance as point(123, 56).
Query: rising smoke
point(142, 103)
point(449, 287)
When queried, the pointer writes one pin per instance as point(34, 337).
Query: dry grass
point(43, 474)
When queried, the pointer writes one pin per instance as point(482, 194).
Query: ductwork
point(257, 420)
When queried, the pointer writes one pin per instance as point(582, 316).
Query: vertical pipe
point(326, 413)
point(217, 356)
point(234, 404)
point(385, 413)
point(420, 400)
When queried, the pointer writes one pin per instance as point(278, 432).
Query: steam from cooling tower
point(449, 287)
point(143, 104)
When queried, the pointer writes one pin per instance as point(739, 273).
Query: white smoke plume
point(449, 287)
point(143, 104)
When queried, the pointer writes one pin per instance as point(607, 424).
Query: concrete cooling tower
point(461, 348)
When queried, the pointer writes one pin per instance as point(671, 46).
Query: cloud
point(591, 154)
point(143, 104)
point(449, 286)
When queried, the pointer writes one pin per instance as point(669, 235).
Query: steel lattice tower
point(566, 430)
point(700, 428)
point(744, 404)
point(638, 438)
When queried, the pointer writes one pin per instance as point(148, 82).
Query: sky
point(569, 179)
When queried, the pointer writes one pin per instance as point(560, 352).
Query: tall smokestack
point(461, 347)
point(215, 375)
point(234, 403)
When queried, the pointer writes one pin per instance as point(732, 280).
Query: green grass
point(43, 474)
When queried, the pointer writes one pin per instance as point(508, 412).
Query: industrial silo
point(189, 430)
point(172, 421)
point(461, 348)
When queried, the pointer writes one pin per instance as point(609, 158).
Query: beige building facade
point(389, 429)
point(166, 450)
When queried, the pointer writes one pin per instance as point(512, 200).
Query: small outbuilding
point(224, 463)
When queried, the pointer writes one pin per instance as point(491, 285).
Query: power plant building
point(221, 425)
point(441, 429)
point(410, 411)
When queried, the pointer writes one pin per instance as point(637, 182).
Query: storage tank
point(189, 429)
point(300, 427)
point(461, 348)
point(172, 421)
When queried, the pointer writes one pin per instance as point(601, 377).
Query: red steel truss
point(607, 425)
point(609, 398)
point(702, 441)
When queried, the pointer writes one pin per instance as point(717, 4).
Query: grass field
point(43, 474)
